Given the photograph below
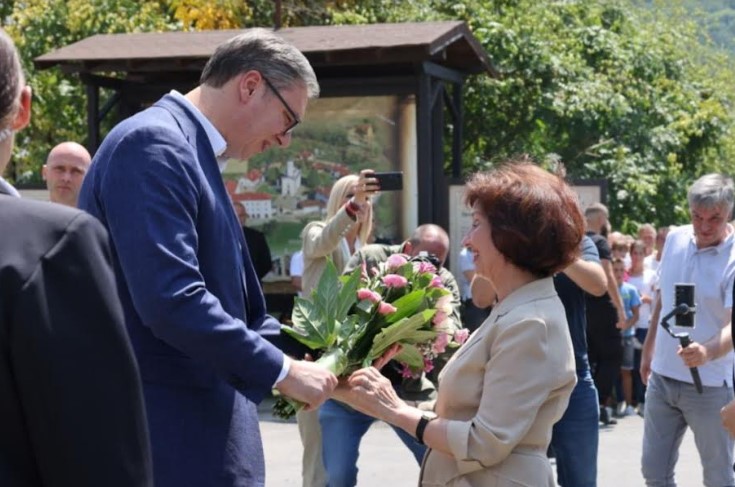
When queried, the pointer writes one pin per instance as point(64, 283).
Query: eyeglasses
point(294, 118)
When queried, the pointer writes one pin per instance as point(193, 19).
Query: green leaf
point(348, 294)
point(350, 328)
point(421, 336)
point(308, 325)
point(407, 305)
point(399, 331)
point(424, 279)
point(334, 361)
point(411, 356)
point(325, 298)
point(365, 306)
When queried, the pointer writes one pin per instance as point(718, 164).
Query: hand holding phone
point(389, 181)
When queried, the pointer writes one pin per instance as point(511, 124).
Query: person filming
point(701, 254)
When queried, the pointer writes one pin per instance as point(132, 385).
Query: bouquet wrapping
point(351, 320)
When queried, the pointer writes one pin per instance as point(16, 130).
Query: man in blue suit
point(193, 305)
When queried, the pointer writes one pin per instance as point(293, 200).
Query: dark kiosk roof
point(450, 44)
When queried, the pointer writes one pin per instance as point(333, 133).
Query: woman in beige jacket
point(346, 229)
point(503, 390)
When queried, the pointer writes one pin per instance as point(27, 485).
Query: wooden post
point(277, 15)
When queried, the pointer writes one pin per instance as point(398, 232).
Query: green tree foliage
point(6, 8)
point(59, 104)
point(613, 92)
point(718, 18)
point(210, 15)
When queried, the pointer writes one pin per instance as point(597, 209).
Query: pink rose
point(440, 344)
point(394, 280)
point(439, 318)
point(445, 303)
point(406, 371)
point(428, 365)
point(425, 267)
point(395, 261)
point(436, 282)
point(365, 293)
point(460, 336)
point(386, 308)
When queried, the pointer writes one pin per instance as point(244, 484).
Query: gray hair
point(11, 81)
point(263, 51)
point(710, 191)
point(596, 209)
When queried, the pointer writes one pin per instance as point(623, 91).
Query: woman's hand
point(365, 187)
point(370, 393)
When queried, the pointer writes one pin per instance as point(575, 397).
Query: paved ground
point(385, 462)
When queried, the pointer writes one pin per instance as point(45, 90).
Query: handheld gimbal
point(683, 337)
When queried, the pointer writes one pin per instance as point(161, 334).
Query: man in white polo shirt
point(700, 253)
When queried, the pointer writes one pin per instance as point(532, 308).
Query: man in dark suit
point(193, 305)
point(71, 404)
point(258, 248)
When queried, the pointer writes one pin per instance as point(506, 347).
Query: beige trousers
point(313, 473)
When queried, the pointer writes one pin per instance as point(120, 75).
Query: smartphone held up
point(389, 181)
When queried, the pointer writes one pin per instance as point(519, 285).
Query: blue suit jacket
point(192, 301)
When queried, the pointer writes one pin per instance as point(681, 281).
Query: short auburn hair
point(534, 215)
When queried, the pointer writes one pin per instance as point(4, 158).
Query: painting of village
point(283, 189)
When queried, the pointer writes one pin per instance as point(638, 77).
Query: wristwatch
point(426, 418)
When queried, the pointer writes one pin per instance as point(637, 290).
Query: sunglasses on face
point(294, 118)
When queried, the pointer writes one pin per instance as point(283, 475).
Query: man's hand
point(645, 369)
point(309, 383)
point(728, 417)
point(649, 344)
point(622, 322)
point(695, 355)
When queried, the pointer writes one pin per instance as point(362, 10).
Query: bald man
point(64, 171)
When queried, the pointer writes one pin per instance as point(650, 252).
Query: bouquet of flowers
point(352, 320)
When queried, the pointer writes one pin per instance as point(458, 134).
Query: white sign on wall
point(460, 222)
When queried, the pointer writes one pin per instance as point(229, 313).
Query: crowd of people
point(135, 342)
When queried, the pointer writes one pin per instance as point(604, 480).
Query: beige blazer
point(503, 391)
point(321, 240)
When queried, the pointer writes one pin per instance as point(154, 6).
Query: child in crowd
point(631, 303)
point(619, 247)
point(644, 280)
